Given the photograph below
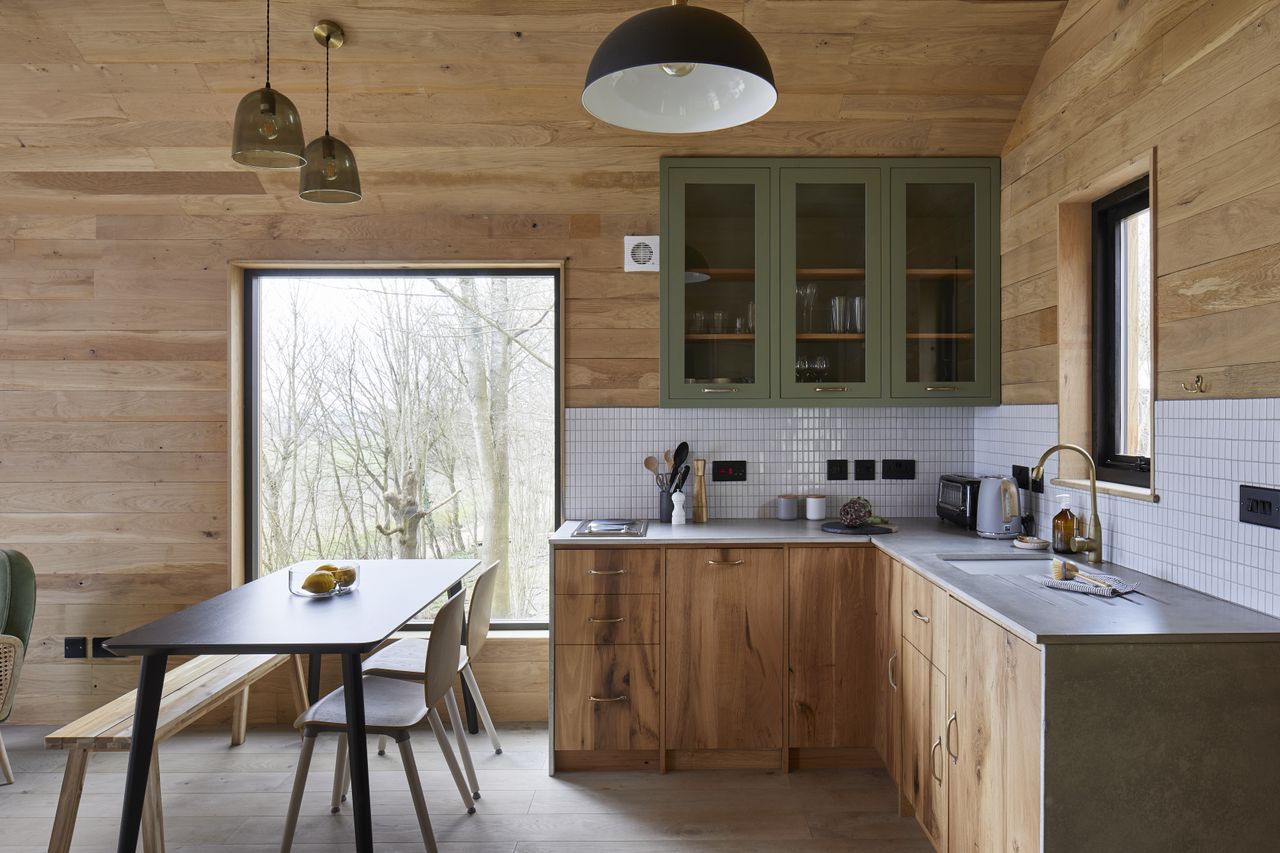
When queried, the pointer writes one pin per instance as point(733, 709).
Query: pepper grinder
point(699, 491)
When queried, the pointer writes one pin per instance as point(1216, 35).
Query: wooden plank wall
point(120, 211)
point(1196, 80)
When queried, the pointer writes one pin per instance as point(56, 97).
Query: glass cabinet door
point(715, 271)
point(830, 283)
point(941, 278)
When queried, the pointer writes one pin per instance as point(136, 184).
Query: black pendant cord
point(268, 44)
point(326, 85)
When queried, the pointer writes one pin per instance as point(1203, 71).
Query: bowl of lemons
point(323, 581)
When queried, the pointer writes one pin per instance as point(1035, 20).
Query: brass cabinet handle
point(614, 572)
point(621, 698)
point(941, 388)
point(719, 390)
point(955, 757)
point(916, 613)
point(933, 765)
point(893, 657)
point(835, 388)
point(599, 619)
point(725, 562)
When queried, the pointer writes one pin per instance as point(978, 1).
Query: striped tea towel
point(1122, 587)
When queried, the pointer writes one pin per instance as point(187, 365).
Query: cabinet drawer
point(608, 570)
point(606, 697)
point(924, 617)
point(589, 619)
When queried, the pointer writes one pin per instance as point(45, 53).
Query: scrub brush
point(1064, 571)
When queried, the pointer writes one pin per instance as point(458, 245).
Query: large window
point(1123, 341)
point(404, 414)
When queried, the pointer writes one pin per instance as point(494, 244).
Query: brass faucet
point(1091, 544)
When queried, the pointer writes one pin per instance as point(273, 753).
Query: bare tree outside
point(406, 416)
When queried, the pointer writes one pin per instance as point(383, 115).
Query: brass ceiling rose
point(329, 34)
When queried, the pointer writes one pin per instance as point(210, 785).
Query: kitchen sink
point(1031, 564)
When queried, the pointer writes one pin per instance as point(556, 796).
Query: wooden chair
point(392, 707)
point(397, 661)
point(17, 609)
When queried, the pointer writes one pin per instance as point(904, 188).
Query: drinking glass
point(839, 314)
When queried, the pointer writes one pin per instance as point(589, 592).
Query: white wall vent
point(641, 254)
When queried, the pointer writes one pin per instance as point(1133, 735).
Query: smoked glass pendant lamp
point(679, 69)
point(268, 132)
point(330, 175)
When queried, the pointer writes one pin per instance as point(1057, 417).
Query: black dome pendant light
point(679, 69)
point(330, 175)
point(267, 132)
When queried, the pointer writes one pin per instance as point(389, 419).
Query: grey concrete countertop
point(1159, 611)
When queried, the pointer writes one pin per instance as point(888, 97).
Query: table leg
point(145, 712)
point(357, 751)
point(313, 679)
point(468, 701)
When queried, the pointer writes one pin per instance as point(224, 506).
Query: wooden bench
point(190, 691)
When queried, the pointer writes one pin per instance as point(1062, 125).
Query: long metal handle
point(933, 765)
point(725, 562)
point(955, 757)
point(719, 390)
point(834, 388)
point(916, 613)
point(621, 698)
point(941, 388)
point(893, 657)
point(614, 572)
point(597, 619)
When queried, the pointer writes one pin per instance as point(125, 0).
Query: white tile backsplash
point(1204, 450)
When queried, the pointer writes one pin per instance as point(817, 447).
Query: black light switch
point(1260, 506)
point(898, 469)
point(73, 647)
point(837, 469)
point(864, 469)
point(733, 471)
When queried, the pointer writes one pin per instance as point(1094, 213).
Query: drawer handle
point(941, 388)
point(955, 757)
point(834, 388)
point(614, 572)
point(719, 390)
point(892, 683)
point(725, 562)
point(621, 698)
point(601, 619)
point(933, 765)
point(919, 615)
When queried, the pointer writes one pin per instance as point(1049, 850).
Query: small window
point(1123, 338)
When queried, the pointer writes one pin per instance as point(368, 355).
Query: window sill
point(1121, 491)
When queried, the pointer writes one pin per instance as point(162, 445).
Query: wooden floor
point(233, 800)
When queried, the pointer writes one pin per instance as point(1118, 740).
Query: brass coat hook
point(1197, 387)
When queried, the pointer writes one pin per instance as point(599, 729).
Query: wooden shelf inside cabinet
point(749, 274)
point(729, 336)
point(940, 336)
point(925, 272)
point(831, 336)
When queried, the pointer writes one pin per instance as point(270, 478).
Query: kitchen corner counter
point(1160, 612)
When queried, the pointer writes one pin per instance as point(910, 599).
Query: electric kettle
point(999, 508)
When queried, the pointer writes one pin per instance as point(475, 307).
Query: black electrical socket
point(73, 647)
point(864, 469)
point(898, 469)
point(733, 471)
point(837, 469)
point(1022, 476)
point(100, 651)
point(1260, 506)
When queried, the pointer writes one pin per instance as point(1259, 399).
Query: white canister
point(788, 507)
point(815, 507)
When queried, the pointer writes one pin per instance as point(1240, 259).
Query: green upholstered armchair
point(17, 608)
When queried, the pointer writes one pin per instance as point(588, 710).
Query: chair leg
point(460, 735)
point(299, 786)
point(64, 821)
point(240, 717)
point(415, 791)
point(339, 776)
point(5, 768)
point(382, 744)
point(470, 677)
point(299, 681)
point(447, 751)
point(153, 810)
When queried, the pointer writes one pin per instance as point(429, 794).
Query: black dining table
point(263, 617)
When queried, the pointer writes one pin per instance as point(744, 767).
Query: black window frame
point(251, 354)
point(1108, 212)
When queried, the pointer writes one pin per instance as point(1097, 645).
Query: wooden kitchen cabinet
point(888, 610)
point(924, 616)
point(606, 697)
point(725, 649)
point(832, 652)
point(924, 719)
point(992, 739)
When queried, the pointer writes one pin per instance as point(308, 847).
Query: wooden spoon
point(651, 462)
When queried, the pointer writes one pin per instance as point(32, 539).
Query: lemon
point(319, 582)
point(344, 575)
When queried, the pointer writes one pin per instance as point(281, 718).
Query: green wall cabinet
point(829, 282)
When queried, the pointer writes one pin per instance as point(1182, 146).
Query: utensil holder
point(665, 506)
